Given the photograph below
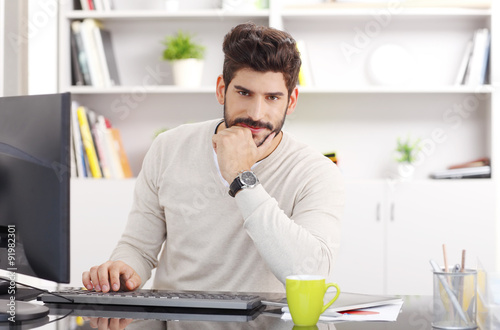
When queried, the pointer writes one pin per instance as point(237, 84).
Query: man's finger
point(103, 276)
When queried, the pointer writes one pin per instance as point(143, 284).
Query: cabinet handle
point(377, 215)
point(392, 211)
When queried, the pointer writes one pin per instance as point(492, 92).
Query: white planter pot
point(172, 5)
point(406, 171)
point(188, 72)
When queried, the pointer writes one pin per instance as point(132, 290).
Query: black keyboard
point(156, 298)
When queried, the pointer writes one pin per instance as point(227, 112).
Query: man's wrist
point(244, 180)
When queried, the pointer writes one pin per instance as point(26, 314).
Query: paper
point(388, 312)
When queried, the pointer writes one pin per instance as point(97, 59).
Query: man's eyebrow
point(241, 88)
point(246, 90)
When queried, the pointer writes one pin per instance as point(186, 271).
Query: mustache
point(253, 123)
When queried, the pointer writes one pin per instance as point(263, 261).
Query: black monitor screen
point(34, 185)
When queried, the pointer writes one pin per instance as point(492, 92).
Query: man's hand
point(236, 150)
point(119, 274)
point(105, 323)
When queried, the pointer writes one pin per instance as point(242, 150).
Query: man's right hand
point(111, 275)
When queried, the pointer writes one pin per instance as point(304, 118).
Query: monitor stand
point(21, 311)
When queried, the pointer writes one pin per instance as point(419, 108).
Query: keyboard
point(156, 298)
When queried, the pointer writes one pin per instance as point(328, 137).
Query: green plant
point(181, 46)
point(407, 150)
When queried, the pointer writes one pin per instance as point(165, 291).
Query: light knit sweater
point(289, 224)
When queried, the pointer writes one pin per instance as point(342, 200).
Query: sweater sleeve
point(306, 242)
point(146, 230)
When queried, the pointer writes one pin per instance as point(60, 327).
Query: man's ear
point(293, 101)
point(220, 89)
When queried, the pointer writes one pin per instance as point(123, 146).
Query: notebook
point(346, 301)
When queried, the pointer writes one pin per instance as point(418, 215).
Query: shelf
point(363, 11)
point(166, 89)
point(486, 89)
point(158, 14)
point(170, 89)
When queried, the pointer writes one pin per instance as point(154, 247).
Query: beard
point(276, 128)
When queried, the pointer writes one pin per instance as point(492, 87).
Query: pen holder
point(455, 300)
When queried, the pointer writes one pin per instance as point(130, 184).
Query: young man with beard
point(238, 203)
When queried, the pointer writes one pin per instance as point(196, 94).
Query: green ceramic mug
point(304, 295)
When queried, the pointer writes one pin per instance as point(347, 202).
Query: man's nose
point(256, 109)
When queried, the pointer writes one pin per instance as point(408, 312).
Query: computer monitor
point(35, 175)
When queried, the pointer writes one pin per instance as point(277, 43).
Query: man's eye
point(273, 98)
point(243, 93)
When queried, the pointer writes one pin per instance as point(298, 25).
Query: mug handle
point(334, 298)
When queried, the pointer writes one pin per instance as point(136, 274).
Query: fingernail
point(116, 287)
point(98, 288)
point(89, 287)
point(105, 288)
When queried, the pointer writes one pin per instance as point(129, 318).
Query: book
point(88, 26)
point(106, 56)
point(99, 143)
point(81, 170)
point(110, 151)
point(462, 70)
point(117, 140)
point(473, 163)
point(332, 156)
point(88, 143)
point(463, 173)
point(305, 73)
point(478, 62)
point(346, 301)
point(82, 55)
point(76, 71)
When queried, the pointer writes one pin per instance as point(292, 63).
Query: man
point(238, 204)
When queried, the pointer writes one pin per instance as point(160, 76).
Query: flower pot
point(406, 171)
point(187, 72)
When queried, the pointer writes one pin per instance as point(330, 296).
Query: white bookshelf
point(344, 111)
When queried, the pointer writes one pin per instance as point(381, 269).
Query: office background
point(378, 74)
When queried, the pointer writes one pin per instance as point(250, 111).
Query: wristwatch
point(245, 179)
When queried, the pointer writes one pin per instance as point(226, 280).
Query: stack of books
point(92, 56)
point(479, 168)
point(97, 148)
point(94, 5)
point(473, 68)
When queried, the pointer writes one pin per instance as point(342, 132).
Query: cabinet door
point(425, 215)
point(359, 266)
point(99, 212)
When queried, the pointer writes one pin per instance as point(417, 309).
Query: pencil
point(463, 262)
point(445, 259)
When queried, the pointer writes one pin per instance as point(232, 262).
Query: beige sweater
point(289, 224)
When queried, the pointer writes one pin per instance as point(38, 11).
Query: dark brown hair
point(261, 49)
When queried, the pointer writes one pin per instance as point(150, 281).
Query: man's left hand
point(236, 150)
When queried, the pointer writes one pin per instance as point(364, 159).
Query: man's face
point(258, 101)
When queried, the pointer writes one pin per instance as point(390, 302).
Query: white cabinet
point(391, 231)
point(360, 264)
point(426, 215)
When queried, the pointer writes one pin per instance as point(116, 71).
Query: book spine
point(77, 142)
point(127, 172)
point(90, 45)
point(82, 54)
point(88, 143)
point(111, 154)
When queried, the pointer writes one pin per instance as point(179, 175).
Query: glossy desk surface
point(416, 314)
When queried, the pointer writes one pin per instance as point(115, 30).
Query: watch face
point(248, 178)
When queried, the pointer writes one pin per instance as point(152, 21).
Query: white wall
point(42, 39)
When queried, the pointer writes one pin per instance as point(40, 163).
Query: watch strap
point(235, 186)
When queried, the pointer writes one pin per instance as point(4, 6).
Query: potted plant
point(186, 57)
point(407, 153)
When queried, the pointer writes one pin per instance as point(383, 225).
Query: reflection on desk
point(416, 315)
